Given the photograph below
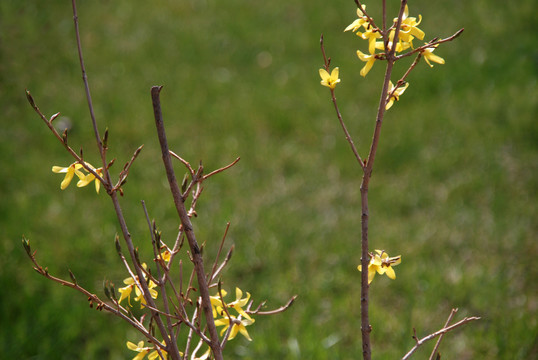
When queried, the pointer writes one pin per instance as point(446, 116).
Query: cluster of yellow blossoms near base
point(222, 313)
point(365, 28)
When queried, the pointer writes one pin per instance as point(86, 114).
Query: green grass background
point(454, 189)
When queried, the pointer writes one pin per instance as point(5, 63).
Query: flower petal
point(390, 272)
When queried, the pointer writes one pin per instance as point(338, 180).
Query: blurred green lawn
point(454, 188)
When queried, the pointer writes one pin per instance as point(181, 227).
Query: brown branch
point(221, 169)
point(438, 333)
point(276, 311)
point(438, 343)
point(215, 264)
point(186, 223)
point(338, 114)
point(101, 305)
point(85, 80)
point(431, 44)
point(366, 328)
point(370, 19)
point(222, 265)
point(62, 139)
point(125, 172)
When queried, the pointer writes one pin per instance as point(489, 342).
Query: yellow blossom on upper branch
point(430, 56)
point(329, 80)
point(76, 168)
point(409, 29)
point(400, 46)
point(395, 94)
point(69, 172)
point(371, 35)
point(90, 177)
point(361, 21)
point(381, 263)
point(370, 59)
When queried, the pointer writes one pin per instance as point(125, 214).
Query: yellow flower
point(362, 19)
point(216, 303)
point(126, 291)
point(155, 354)
point(142, 351)
point(381, 263)
point(396, 95)
point(329, 80)
point(370, 35)
point(90, 177)
point(69, 172)
point(238, 325)
point(370, 59)
point(165, 255)
point(239, 303)
point(430, 56)
point(409, 28)
point(400, 46)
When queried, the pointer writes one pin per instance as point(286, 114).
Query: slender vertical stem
point(366, 328)
point(171, 344)
point(162, 281)
point(85, 79)
point(169, 340)
point(187, 226)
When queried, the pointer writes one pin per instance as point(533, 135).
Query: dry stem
point(444, 330)
point(186, 223)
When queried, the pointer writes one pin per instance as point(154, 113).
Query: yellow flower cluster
point(239, 322)
point(408, 32)
point(78, 169)
point(145, 350)
point(381, 263)
point(131, 283)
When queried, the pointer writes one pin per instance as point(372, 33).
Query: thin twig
point(125, 172)
point(73, 153)
point(438, 343)
point(431, 44)
point(222, 168)
point(215, 264)
point(91, 297)
point(161, 284)
point(276, 311)
point(185, 221)
point(338, 114)
point(85, 80)
point(222, 265)
point(444, 330)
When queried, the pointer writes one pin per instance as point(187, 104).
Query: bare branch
point(276, 311)
point(438, 343)
point(221, 169)
point(438, 333)
point(431, 44)
point(185, 221)
point(338, 114)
